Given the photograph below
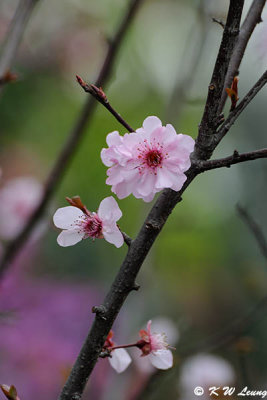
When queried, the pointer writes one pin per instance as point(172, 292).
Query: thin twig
point(237, 111)
point(101, 96)
point(73, 139)
point(210, 116)
point(252, 19)
point(235, 158)
point(218, 21)
point(14, 35)
point(254, 228)
point(188, 66)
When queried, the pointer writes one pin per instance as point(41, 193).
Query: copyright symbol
point(199, 391)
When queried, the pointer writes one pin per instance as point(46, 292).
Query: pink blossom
point(120, 359)
point(77, 225)
point(18, 199)
point(148, 160)
point(156, 348)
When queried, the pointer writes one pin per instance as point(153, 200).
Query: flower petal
point(65, 217)
point(120, 360)
point(151, 123)
point(109, 210)
point(114, 139)
point(115, 237)
point(162, 359)
point(69, 238)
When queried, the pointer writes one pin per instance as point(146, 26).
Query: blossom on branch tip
point(78, 224)
point(155, 346)
point(144, 162)
point(119, 358)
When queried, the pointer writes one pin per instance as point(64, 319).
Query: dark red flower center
point(93, 226)
point(153, 158)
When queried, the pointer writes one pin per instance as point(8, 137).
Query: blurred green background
point(205, 270)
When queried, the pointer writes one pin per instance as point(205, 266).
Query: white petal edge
point(114, 139)
point(64, 217)
point(109, 209)
point(162, 359)
point(69, 238)
point(151, 123)
point(114, 237)
point(120, 360)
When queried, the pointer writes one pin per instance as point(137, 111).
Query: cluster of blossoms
point(143, 163)
point(152, 345)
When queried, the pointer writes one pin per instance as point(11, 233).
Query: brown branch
point(252, 19)
point(237, 111)
point(255, 229)
point(73, 139)
point(123, 284)
point(14, 36)
point(233, 159)
point(100, 96)
point(210, 116)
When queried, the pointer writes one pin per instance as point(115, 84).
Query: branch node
point(105, 353)
point(211, 87)
point(127, 239)
point(235, 154)
point(135, 287)
point(100, 311)
point(153, 226)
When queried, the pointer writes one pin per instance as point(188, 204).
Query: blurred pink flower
point(156, 348)
point(205, 370)
point(77, 225)
point(18, 199)
point(148, 160)
point(43, 326)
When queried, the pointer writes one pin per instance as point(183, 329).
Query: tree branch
point(73, 139)
point(123, 284)
point(210, 116)
point(252, 19)
point(237, 111)
point(233, 159)
point(124, 281)
point(14, 36)
point(255, 229)
point(100, 96)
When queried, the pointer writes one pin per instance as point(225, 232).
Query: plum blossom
point(18, 199)
point(120, 359)
point(155, 346)
point(144, 162)
point(78, 224)
point(205, 370)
